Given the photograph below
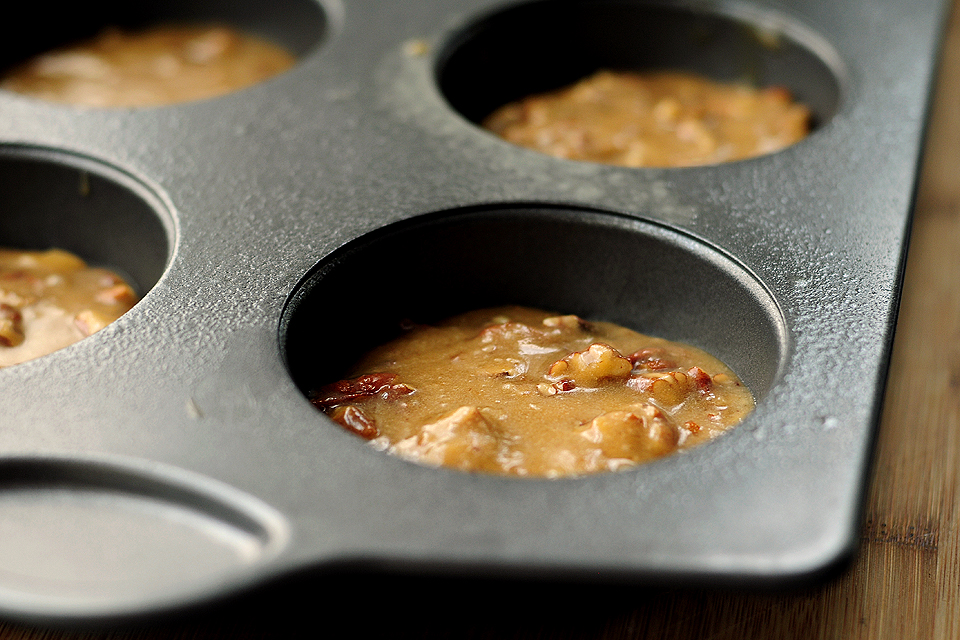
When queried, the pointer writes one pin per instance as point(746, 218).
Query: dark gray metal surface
point(171, 458)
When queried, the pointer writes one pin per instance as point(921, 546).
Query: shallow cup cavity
point(540, 46)
point(600, 266)
point(53, 200)
point(89, 536)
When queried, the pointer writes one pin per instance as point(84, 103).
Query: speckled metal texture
point(172, 458)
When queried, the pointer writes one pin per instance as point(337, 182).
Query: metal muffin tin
point(172, 458)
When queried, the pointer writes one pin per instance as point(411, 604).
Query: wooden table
point(905, 584)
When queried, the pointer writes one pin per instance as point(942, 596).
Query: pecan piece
point(668, 389)
point(701, 380)
point(652, 358)
point(354, 420)
point(117, 294)
point(90, 321)
point(559, 386)
point(639, 433)
point(11, 326)
point(589, 368)
point(464, 439)
point(365, 386)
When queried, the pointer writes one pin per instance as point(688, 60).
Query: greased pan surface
point(172, 457)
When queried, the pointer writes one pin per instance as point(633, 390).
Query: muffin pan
point(275, 233)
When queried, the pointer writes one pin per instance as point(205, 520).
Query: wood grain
point(905, 582)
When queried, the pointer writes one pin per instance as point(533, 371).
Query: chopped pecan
point(394, 391)
point(89, 321)
point(701, 380)
point(589, 368)
point(667, 389)
point(355, 420)
point(11, 326)
point(120, 293)
point(364, 386)
point(639, 433)
point(652, 358)
point(722, 378)
point(464, 439)
point(559, 386)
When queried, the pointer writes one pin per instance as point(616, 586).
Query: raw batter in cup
point(51, 299)
point(661, 119)
point(159, 66)
point(523, 392)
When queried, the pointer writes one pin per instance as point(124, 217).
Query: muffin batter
point(159, 66)
point(523, 392)
point(51, 299)
point(663, 119)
